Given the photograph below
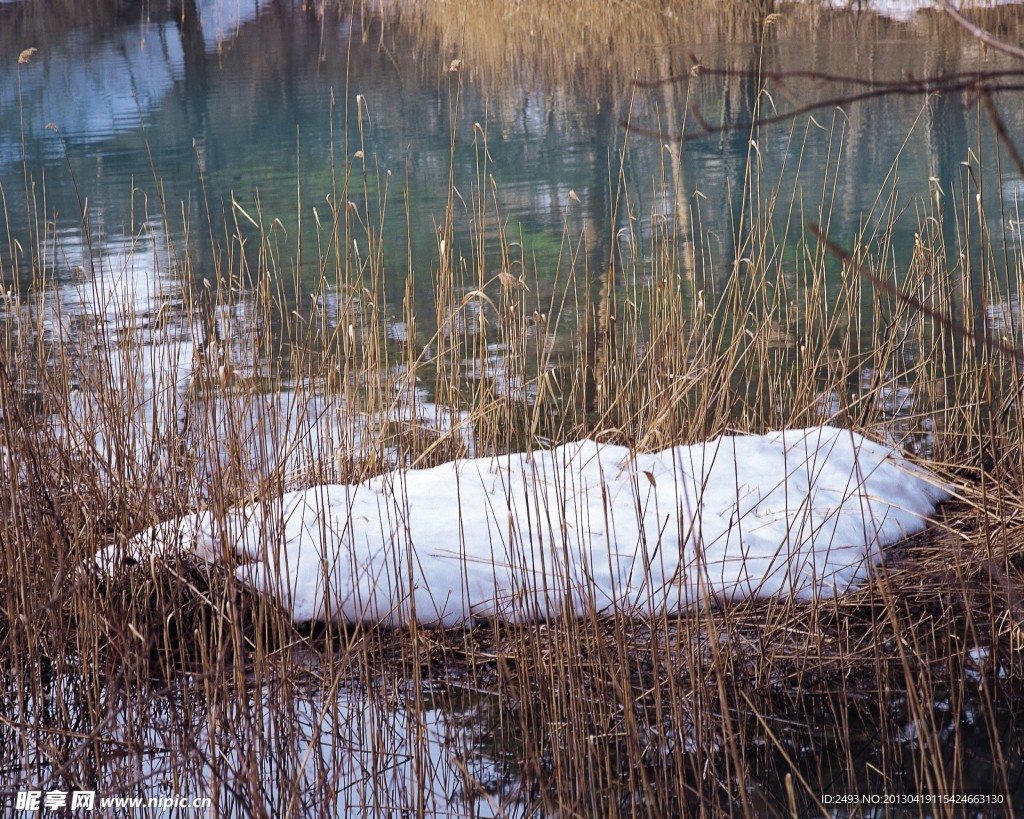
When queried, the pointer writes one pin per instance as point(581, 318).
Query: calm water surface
point(258, 103)
point(175, 129)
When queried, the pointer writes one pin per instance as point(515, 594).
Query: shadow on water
point(370, 741)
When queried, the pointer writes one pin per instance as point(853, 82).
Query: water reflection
point(1004, 317)
point(244, 105)
point(102, 80)
point(150, 371)
point(342, 749)
point(383, 746)
point(264, 96)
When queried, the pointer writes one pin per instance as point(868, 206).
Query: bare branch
point(942, 84)
point(980, 33)
point(820, 77)
point(1000, 345)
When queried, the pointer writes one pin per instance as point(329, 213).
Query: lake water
point(262, 105)
point(142, 140)
point(177, 129)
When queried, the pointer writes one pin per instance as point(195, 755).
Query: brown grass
point(172, 673)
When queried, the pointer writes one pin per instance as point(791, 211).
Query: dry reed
point(171, 675)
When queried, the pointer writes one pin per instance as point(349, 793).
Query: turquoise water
point(142, 143)
point(189, 125)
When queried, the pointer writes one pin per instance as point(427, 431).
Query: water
point(329, 745)
point(258, 102)
point(179, 127)
point(148, 133)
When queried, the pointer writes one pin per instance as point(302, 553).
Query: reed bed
point(173, 677)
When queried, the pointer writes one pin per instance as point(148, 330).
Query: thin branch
point(980, 33)
point(1000, 345)
point(821, 78)
point(934, 85)
point(1001, 132)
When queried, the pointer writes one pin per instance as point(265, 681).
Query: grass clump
point(173, 673)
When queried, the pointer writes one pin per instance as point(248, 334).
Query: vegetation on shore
point(172, 673)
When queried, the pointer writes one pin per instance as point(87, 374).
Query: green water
point(165, 120)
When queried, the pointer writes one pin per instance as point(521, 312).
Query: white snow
point(131, 403)
point(584, 527)
point(128, 346)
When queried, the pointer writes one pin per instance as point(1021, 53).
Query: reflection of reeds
point(757, 708)
point(589, 47)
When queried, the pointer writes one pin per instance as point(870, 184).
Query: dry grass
point(173, 676)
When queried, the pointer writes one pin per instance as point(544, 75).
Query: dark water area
point(451, 749)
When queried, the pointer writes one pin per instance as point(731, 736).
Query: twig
point(1001, 132)
point(996, 344)
point(936, 85)
point(980, 33)
point(825, 78)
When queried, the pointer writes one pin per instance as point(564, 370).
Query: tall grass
point(173, 677)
